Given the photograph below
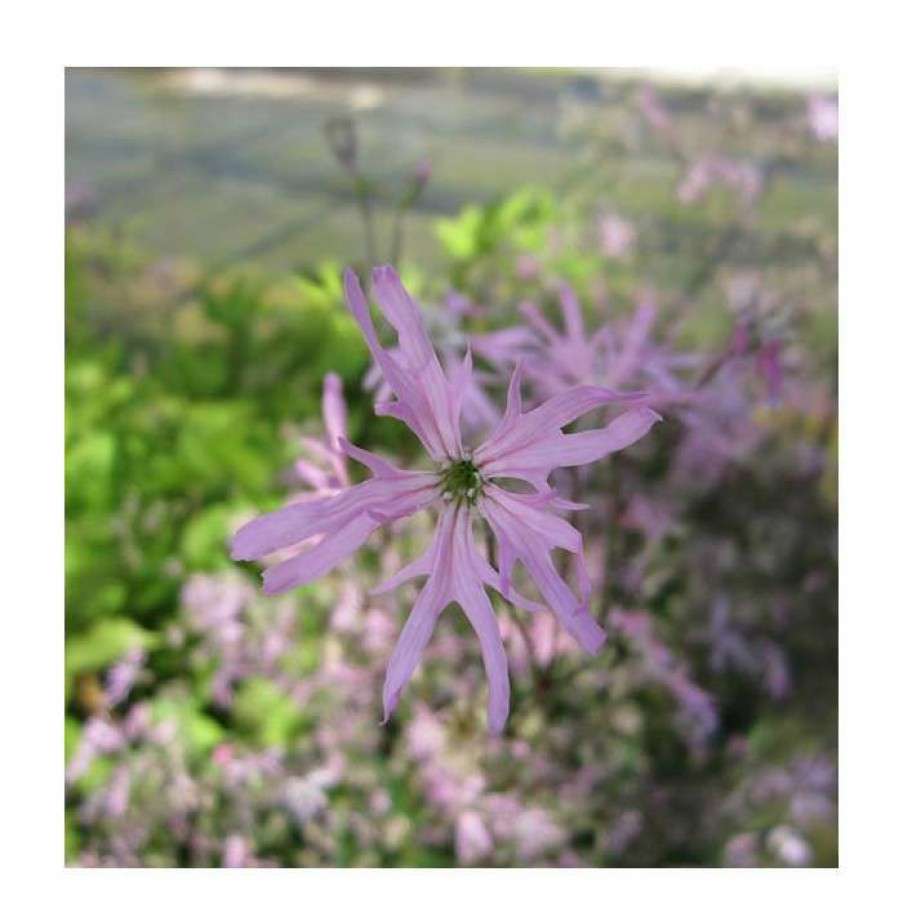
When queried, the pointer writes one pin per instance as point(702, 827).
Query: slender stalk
point(364, 200)
point(397, 236)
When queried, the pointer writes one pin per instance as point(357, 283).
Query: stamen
point(461, 481)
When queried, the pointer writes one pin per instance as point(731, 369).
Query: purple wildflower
point(462, 485)
point(619, 355)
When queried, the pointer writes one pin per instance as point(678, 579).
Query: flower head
point(463, 487)
point(619, 355)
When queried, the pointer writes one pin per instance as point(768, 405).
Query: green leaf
point(104, 643)
point(198, 731)
point(266, 713)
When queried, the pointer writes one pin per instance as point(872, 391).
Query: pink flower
point(619, 355)
point(711, 169)
point(536, 833)
point(823, 117)
point(237, 852)
point(99, 738)
point(526, 267)
point(123, 675)
point(616, 236)
point(462, 486)
point(222, 754)
point(473, 841)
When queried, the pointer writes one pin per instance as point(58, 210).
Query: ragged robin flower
point(463, 487)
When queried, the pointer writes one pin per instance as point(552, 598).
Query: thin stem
point(364, 197)
point(397, 235)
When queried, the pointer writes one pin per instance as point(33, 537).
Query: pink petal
point(329, 552)
point(570, 450)
point(545, 526)
point(396, 376)
point(277, 530)
point(478, 608)
point(503, 346)
point(335, 412)
point(456, 574)
point(518, 432)
point(312, 475)
point(410, 646)
point(426, 401)
point(532, 315)
point(419, 357)
point(403, 494)
point(378, 465)
point(573, 315)
point(531, 541)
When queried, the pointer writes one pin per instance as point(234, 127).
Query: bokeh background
point(209, 214)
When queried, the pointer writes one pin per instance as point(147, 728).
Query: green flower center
point(461, 481)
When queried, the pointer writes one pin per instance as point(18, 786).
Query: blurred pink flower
point(123, 675)
point(117, 796)
point(823, 117)
point(473, 841)
point(526, 267)
point(620, 355)
point(303, 798)
point(222, 754)
point(616, 236)
point(99, 737)
point(425, 734)
point(789, 846)
point(237, 852)
point(710, 170)
point(742, 851)
point(462, 484)
point(536, 833)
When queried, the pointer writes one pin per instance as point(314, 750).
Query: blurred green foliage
point(180, 390)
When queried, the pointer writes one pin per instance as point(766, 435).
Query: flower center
point(461, 481)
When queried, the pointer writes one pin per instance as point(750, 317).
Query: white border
point(805, 36)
